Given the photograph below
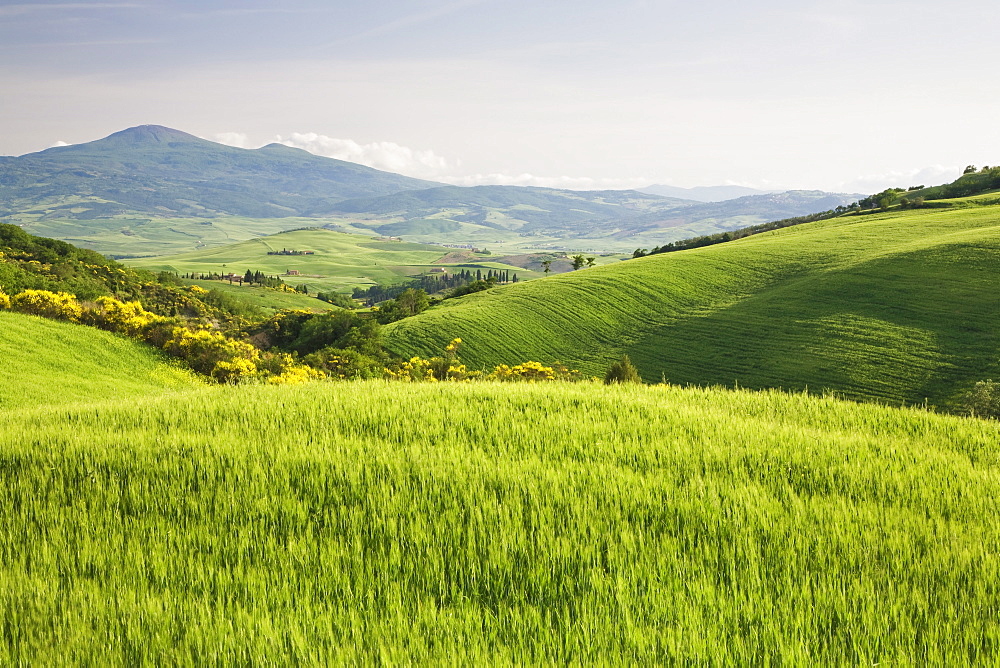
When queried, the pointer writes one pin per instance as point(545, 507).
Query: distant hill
point(899, 306)
point(703, 193)
point(151, 190)
point(525, 209)
point(162, 172)
point(616, 219)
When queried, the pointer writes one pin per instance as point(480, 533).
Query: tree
point(640, 252)
point(591, 261)
point(984, 400)
point(578, 261)
point(971, 169)
point(622, 371)
point(547, 264)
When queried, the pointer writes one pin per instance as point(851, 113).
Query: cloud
point(385, 155)
point(426, 164)
point(237, 139)
point(927, 176)
point(59, 143)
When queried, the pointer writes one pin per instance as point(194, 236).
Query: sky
point(850, 96)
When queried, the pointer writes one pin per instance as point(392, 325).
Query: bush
point(55, 305)
point(4, 301)
point(214, 355)
point(528, 371)
point(114, 315)
point(345, 364)
point(337, 299)
point(622, 371)
point(983, 400)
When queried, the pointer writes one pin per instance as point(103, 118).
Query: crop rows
point(899, 307)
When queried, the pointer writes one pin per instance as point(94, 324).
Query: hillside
point(901, 306)
point(477, 524)
point(702, 193)
point(47, 363)
point(151, 190)
point(615, 220)
point(339, 261)
point(156, 171)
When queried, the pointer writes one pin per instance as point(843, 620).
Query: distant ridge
point(704, 193)
point(159, 171)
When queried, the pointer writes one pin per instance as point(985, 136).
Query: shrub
point(55, 305)
point(528, 371)
point(344, 363)
point(622, 371)
point(4, 301)
point(214, 355)
point(983, 400)
point(114, 315)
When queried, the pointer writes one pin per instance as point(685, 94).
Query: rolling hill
point(902, 306)
point(49, 363)
point(373, 523)
point(703, 193)
point(151, 190)
point(339, 261)
point(616, 220)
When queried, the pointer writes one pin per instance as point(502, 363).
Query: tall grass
point(376, 522)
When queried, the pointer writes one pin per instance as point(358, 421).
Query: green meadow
point(902, 306)
point(379, 522)
point(340, 261)
point(268, 299)
point(46, 362)
point(138, 236)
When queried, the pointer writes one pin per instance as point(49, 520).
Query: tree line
point(432, 284)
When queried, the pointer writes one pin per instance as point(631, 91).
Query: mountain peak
point(151, 134)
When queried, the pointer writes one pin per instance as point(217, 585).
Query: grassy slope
point(47, 363)
point(380, 522)
point(141, 236)
point(342, 261)
point(900, 306)
point(266, 298)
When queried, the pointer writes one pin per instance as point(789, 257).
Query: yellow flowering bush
point(56, 305)
point(414, 369)
point(117, 316)
point(295, 375)
point(527, 371)
point(214, 355)
point(4, 300)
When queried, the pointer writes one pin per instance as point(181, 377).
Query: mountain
point(158, 171)
point(899, 306)
point(611, 220)
point(151, 190)
point(703, 193)
point(526, 209)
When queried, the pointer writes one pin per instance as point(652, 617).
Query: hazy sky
point(844, 95)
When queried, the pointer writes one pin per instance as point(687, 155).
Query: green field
point(265, 298)
point(340, 263)
point(902, 307)
point(375, 522)
point(52, 363)
point(128, 236)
